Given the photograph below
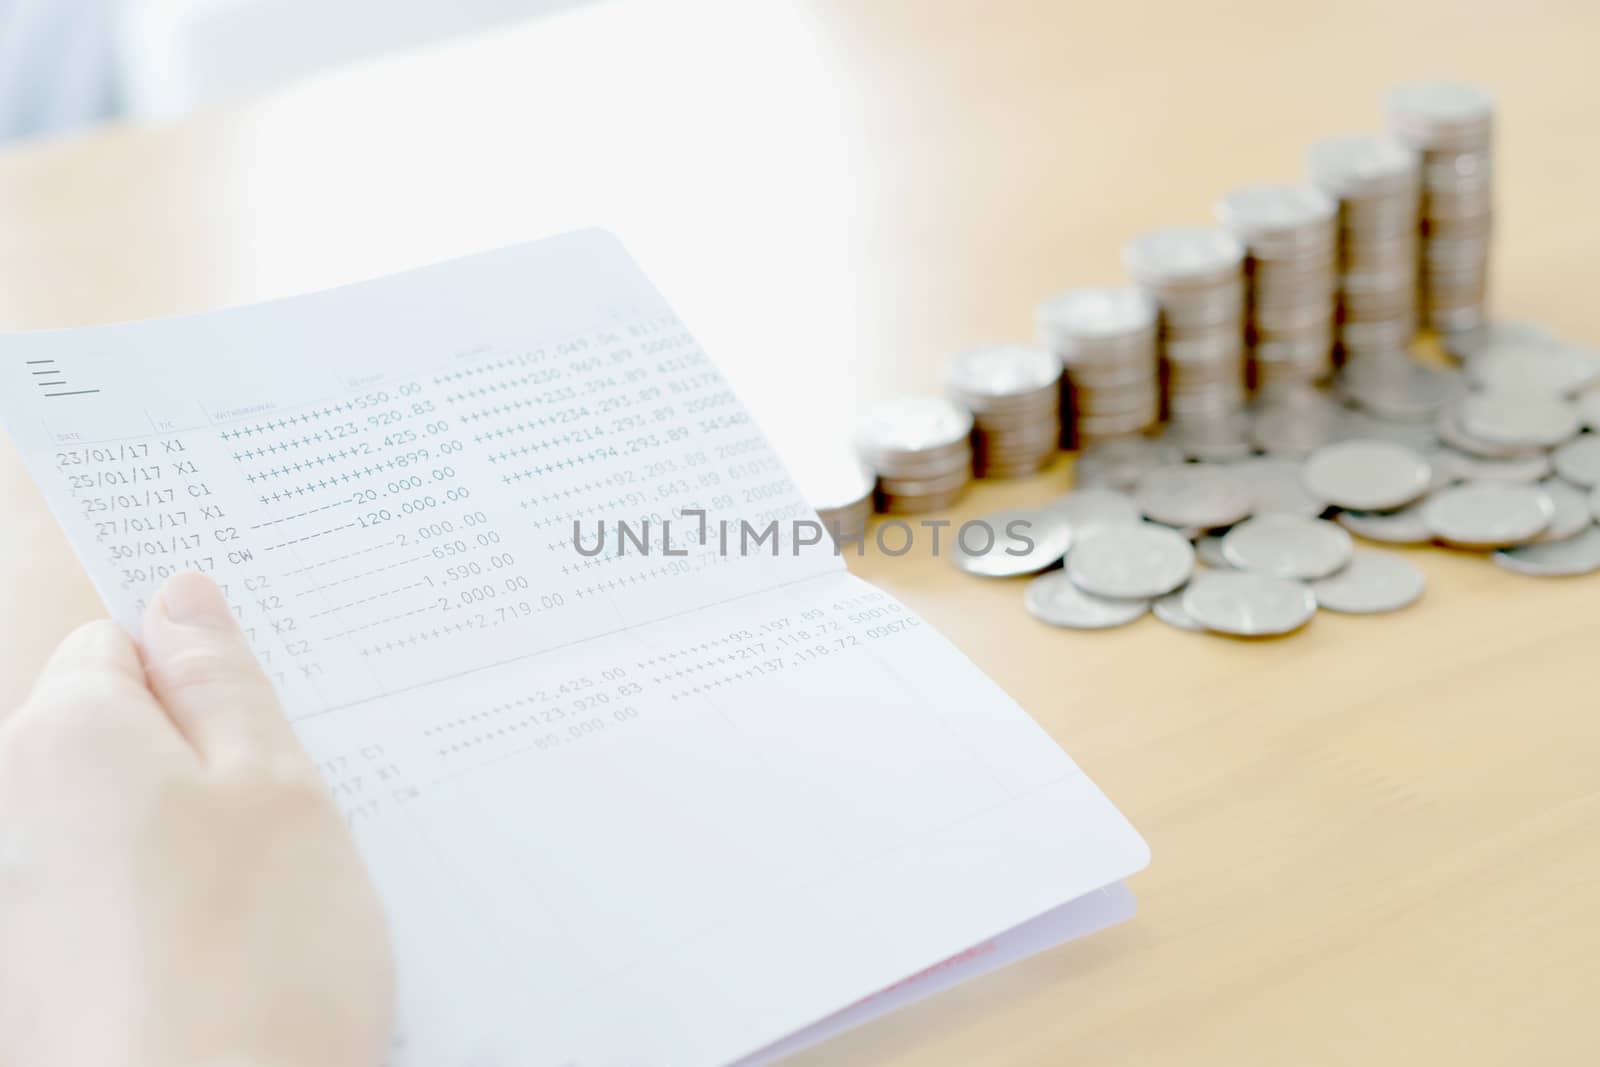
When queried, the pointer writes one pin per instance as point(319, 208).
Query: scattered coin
point(1011, 543)
point(1554, 559)
point(1465, 344)
point(1367, 475)
point(1089, 508)
point(1374, 582)
point(1248, 605)
point(1130, 562)
point(1571, 510)
point(1275, 487)
point(1405, 526)
point(1287, 546)
point(1191, 495)
point(1488, 514)
point(1523, 469)
point(1053, 598)
point(1534, 368)
point(1120, 463)
point(1579, 461)
point(1169, 609)
point(1519, 418)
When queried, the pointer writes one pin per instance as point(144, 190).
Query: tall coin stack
point(921, 449)
point(1106, 341)
point(1195, 275)
point(1452, 125)
point(1290, 233)
point(1376, 181)
point(1014, 395)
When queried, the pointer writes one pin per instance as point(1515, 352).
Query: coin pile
point(1290, 233)
point(1452, 126)
point(920, 447)
point(1105, 338)
point(1014, 395)
point(1377, 182)
point(1501, 457)
point(1195, 275)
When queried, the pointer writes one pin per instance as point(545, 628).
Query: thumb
point(201, 669)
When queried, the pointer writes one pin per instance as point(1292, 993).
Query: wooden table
point(1376, 842)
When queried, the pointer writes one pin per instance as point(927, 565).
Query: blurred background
point(69, 64)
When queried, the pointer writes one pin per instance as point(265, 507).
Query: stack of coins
point(1376, 181)
point(1452, 126)
point(1106, 340)
point(1195, 275)
point(1014, 395)
point(841, 488)
point(921, 449)
point(1290, 233)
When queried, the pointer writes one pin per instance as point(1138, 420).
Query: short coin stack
point(841, 488)
point(1195, 275)
point(1376, 181)
point(1290, 233)
point(1452, 125)
point(1106, 340)
point(1014, 395)
point(921, 450)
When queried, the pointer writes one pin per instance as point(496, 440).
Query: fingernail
point(191, 599)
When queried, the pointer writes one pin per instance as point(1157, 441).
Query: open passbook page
point(660, 799)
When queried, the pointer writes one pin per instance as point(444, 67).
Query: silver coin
point(1119, 463)
point(1397, 387)
point(1554, 559)
point(1248, 605)
point(1275, 487)
point(911, 425)
point(1519, 418)
point(1267, 211)
point(1169, 609)
point(1191, 495)
point(1466, 343)
point(833, 481)
point(1403, 527)
point(1208, 550)
point(1003, 371)
point(1579, 461)
point(1374, 582)
point(1358, 166)
point(1523, 469)
point(1053, 598)
point(1011, 543)
point(1572, 510)
point(1488, 514)
point(1131, 561)
point(1090, 508)
point(1183, 255)
point(1367, 475)
point(1534, 368)
point(1287, 546)
point(1102, 312)
point(1589, 409)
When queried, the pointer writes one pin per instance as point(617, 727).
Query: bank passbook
point(634, 789)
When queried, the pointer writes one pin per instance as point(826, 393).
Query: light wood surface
point(1376, 842)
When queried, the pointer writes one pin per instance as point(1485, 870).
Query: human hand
point(177, 886)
